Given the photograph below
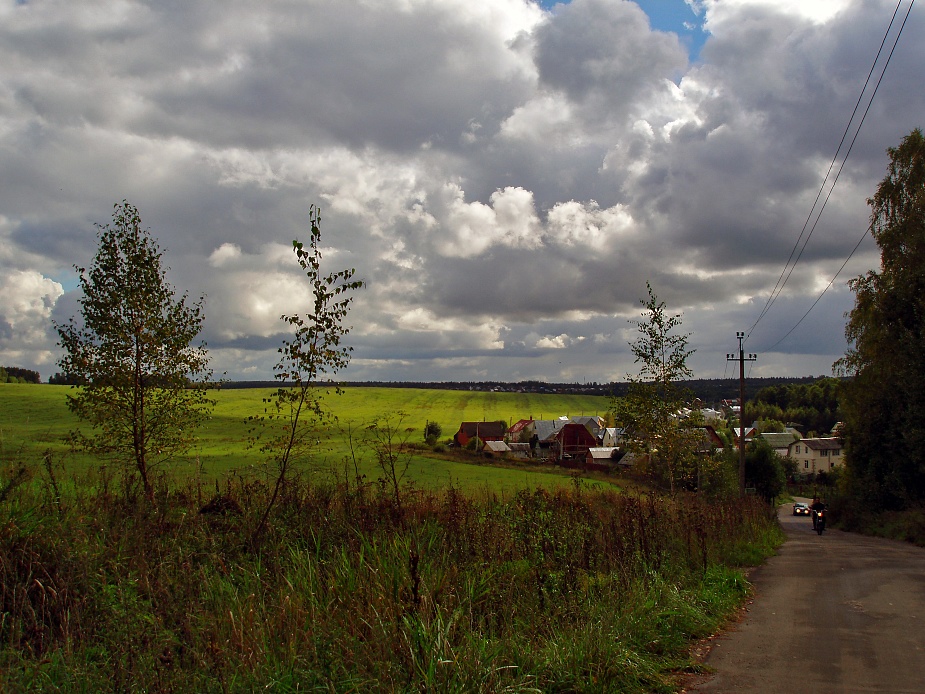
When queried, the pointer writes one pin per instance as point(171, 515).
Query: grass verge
point(353, 589)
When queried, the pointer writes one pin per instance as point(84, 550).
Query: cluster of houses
point(584, 442)
point(569, 441)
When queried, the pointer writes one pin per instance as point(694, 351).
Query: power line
point(782, 281)
point(829, 286)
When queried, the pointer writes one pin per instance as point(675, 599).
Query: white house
point(816, 455)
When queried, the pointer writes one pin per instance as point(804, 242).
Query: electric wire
point(781, 281)
point(835, 181)
point(829, 286)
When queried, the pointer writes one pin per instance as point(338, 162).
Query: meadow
point(34, 421)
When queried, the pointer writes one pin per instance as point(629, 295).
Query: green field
point(34, 419)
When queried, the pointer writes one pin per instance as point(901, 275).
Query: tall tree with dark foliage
point(884, 403)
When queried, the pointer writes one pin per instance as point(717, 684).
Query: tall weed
point(352, 589)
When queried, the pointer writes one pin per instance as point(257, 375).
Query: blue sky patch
point(667, 15)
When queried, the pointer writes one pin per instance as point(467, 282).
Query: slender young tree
point(142, 384)
point(884, 401)
point(307, 364)
point(649, 411)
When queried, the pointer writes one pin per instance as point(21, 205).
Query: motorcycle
point(819, 521)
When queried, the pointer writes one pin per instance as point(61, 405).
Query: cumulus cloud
point(505, 179)
point(27, 299)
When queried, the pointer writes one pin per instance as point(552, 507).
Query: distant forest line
point(708, 390)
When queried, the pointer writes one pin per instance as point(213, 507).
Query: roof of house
point(594, 422)
point(573, 431)
point(822, 444)
point(520, 426)
point(483, 429)
point(547, 428)
point(709, 440)
point(604, 453)
point(749, 432)
point(779, 439)
point(497, 446)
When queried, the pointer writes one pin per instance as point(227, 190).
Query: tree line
point(813, 407)
point(14, 374)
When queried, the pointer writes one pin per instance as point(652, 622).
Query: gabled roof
point(710, 439)
point(575, 435)
point(497, 446)
point(520, 426)
point(594, 421)
point(602, 453)
point(547, 428)
point(822, 444)
point(749, 432)
point(615, 432)
point(483, 429)
point(779, 439)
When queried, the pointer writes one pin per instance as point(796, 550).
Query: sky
point(505, 176)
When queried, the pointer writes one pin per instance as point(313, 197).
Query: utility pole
point(741, 358)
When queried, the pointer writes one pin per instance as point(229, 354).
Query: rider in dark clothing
point(815, 507)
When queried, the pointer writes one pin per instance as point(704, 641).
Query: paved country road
point(836, 613)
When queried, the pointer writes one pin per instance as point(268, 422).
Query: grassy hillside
point(34, 420)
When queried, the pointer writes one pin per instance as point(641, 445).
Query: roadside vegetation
point(355, 589)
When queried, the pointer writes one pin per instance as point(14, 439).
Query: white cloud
point(470, 229)
point(820, 11)
point(26, 302)
point(224, 254)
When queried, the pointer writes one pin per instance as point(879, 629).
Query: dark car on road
point(800, 509)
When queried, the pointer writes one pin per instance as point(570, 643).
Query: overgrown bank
point(355, 589)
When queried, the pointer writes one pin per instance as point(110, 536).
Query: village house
point(498, 448)
point(572, 442)
point(521, 451)
point(611, 436)
point(544, 435)
point(603, 458)
point(816, 455)
point(593, 424)
point(521, 431)
point(710, 441)
point(484, 431)
point(749, 433)
point(780, 441)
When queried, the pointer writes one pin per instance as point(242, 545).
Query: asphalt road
point(836, 613)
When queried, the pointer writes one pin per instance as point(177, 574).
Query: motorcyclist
point(815, 507)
